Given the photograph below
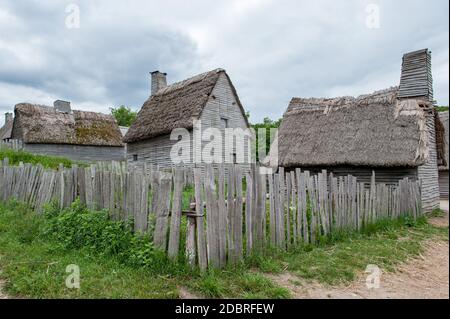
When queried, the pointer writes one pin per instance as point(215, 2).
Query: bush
point(78, 228)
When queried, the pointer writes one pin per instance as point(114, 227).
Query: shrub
point(78, 228)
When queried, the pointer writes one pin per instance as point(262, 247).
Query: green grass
point(15, 157)
point(35, 251)
point(115, 263)
point(442, 108)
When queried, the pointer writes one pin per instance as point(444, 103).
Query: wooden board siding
point(443, 184)
point(388, 176)
point(221, 104)
point(416, 78)
point(428, 173)
point(78, 152)
point(154, 151)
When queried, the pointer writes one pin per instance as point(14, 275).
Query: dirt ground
point(424, 277)
point(2, 295)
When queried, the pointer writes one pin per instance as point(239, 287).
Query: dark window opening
point(224, 122)
point(135, 157)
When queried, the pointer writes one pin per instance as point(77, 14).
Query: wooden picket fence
point(233, 214)
point(12, 144)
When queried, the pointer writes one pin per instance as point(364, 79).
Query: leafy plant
point(124, 115)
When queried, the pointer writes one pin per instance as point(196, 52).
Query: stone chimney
point(8, 117)
point(158, 81)
point(62, 106)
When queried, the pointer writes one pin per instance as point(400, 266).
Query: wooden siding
point(222, 104)
point(78, 152)
point(388, 176)
point(428, 173)
point(416, 79)
point(443, 184)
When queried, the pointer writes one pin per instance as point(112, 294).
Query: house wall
point(428, 173)
point(443, 184)
point(78, 152)
point(389, 176)
point(221, 104)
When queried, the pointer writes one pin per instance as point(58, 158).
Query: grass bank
point(115, 263)
point(15, 157)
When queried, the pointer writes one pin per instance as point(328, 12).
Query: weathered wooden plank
point(272, 212)
point(238, 215)
point(212, 222)
point(248, 214)
point(162, 213)
point(190, 240)
point(200, 222)
point(175, 220)
point(222, 227)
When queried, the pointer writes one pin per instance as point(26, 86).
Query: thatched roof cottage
point(6, 129)
point(442, 141)
point(208, 98)
point(391, 132)
point(61, 131)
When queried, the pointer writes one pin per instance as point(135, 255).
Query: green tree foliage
point(266, 124)
point(124, 115)
point(442, 108)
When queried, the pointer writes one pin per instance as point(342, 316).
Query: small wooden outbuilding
point(391, 132)
point(6, 129)
point(209, 99)
point(61, 131)
point(444, 148)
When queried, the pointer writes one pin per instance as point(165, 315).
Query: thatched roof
point(442, 134)
point(175, 106)
point(5, 131)
point(375, 130)
point(38, 124)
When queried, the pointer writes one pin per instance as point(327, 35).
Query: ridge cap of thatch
point(191, 80)
point(317, 104)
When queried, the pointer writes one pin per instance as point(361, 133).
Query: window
point(234, 158)
point(224, 122)
point(135, 157)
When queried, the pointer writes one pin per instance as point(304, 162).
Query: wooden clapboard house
point(208, 98)
point(442, 141)
point(6, 129)
point(61, 131)
point(391, 132)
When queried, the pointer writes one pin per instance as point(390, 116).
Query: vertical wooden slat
point(200, 221)
point(175, 219)
point(162, 213)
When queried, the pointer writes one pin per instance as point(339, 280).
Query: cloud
point(273, 50)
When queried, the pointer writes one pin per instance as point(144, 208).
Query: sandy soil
point(426, 276)
point(2, 295)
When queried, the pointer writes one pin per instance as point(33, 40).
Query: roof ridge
point(193, 79)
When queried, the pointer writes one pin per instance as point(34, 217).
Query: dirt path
point(2, 295)
point(426, 276)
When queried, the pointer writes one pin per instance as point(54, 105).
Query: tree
point(124, 115)
point(267, 124)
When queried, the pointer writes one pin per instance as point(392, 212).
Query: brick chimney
point(62, 106)
point(8, 117)
point(158, 81)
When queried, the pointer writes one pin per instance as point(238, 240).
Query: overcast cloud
point(273, 50)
